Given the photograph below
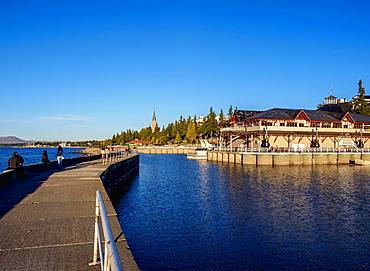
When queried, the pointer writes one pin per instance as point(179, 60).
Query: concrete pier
point(286, 159)
point(282, 160)
point(47, 221)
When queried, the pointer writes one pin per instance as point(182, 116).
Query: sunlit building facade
point(297, 128)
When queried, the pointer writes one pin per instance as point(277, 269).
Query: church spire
point(154, 122)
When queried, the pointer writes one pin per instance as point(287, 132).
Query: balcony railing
point(305, 129)
point(292, 150)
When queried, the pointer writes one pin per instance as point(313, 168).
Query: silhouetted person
point(45, 158)
point(60, 155)
point(16, 162)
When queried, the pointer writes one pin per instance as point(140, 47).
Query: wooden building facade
point(297, 128)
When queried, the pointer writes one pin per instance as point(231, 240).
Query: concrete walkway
point(47, 222)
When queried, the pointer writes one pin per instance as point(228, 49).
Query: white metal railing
point(108, 257)
point(112, 156)
point(294, 150)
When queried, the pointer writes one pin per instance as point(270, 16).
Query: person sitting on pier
point(45, 158)
point(16, 162)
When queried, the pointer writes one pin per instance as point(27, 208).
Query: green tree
point(360, 106)
point(178, 138)
point(121, 138)
point(191, 135)
point(222, 117)
point(196, 126)
point(231, 112)
point(163, 138)
point(209, 127)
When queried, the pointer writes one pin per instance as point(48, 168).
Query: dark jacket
point(45, 158)
point(15, 161)
point(59, 151)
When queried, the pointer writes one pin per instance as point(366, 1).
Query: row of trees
point(184, 130)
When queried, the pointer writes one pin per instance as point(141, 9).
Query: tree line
point(182, 131)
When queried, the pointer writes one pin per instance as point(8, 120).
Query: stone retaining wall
point(117, 175)
point(286, 159)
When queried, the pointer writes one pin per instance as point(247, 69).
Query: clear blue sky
point(88, 69)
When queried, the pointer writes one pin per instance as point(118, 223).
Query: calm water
point(180, 214)
point(33, 155)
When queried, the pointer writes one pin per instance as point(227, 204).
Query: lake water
point(183, 214)
point(33, 155)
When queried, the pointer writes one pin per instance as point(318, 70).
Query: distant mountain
point(12, 140)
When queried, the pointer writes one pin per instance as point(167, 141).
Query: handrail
point(111, 156)
point(108, 257)
point(293, 150)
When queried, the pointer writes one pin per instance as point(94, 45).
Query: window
point(337, 125)
point(326, 125)
point(282, 123)
point(291, 124)
point(358, 126)
point(266, 123)
point(301, 125)
point(345, 126)
point(315, 124)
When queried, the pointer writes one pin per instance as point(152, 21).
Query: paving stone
point(47, 222)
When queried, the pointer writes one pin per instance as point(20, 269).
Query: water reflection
point(192, 215)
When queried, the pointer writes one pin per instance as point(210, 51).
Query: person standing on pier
point(60, 155)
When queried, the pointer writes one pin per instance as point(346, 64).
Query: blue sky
point(72, 70)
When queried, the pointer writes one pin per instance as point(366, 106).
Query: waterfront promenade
point(47, 221)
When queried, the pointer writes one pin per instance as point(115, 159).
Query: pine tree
point(163, 139)
point(222, 117)
point(191, 133)
point(178, 138)
point(122, 138)
point(360, 106)
point(209, 127)
point(231, 112)
point(196, 128)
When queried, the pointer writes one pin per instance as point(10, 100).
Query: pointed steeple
point(154, 122)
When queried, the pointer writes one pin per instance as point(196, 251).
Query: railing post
point(97, 239)
point(106, 256)
point(95, 255)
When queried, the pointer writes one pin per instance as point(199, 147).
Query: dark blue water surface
point(181, 214)
point(33, 155)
